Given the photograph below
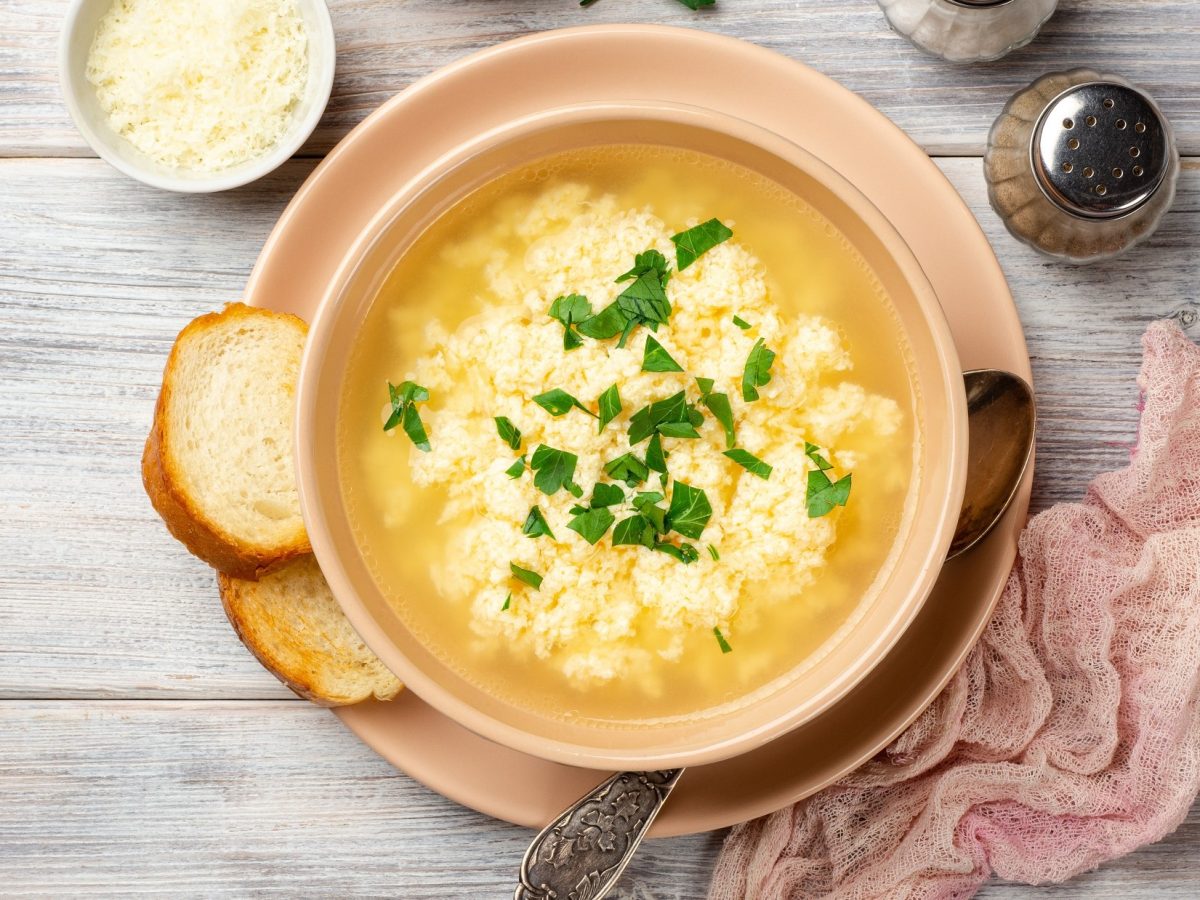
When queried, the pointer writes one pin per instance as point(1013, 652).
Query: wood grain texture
point(277, 799)
point(385, 45)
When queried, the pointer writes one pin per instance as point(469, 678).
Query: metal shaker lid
point(1100, 150)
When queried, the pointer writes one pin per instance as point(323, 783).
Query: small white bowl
point(83, 18)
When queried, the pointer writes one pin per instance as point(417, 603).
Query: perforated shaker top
point(1100, 150)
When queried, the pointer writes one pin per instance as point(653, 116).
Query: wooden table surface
point(141, 748)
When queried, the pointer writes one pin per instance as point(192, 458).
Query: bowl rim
point(569, 752)
point(322, 51)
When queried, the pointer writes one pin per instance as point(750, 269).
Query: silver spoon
point(582, 853)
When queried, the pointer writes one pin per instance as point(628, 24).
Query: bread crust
point(160, 477)
point(231, 592)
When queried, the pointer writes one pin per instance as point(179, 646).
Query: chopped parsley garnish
point(507, 602)
point(558, 402)
point(634, 530)
point(509, 433)
point(758, 370)
point(750, 463)
point(553, 469)
point(712, 551)
point(571, 310)
point(685, 553)
point(657, 359)
point(526, 576)
point(813, 452)
point(721, 642)
point(606, 495)
point(516, 469)
point(644, 302)
point(536, 525)
point(610, 406)
point(690, 245)
point(592, 524)
point(656, 458)
point(742, 323)
point(690, 510)
point(404, 412)
point(718, 404)
point(627, 468)
point(823, 495)
point(672, 416)
point(646, 503)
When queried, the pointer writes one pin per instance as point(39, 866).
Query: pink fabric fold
point(1072, 733)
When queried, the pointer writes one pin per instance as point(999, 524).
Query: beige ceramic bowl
point(884, 613)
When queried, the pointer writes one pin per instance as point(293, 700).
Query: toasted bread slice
point(218, 461)
point(290, 621)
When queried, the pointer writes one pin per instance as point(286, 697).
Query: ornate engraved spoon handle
point(582, 853)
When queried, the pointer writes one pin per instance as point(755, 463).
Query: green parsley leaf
point(750, 463)
point(705, 385)
point(657, 359)
point(606, 495)
point(712, 551)
point(758, 370)
point(673, 410)
point(526, 576)
point(651, 261)
point(610, 406)
point(571, 310)
point(719, 405)
point(536, 525)
point(607, 323)
point(415, 428)
point(656, 459)
point(721, 642)
point(592, 524)
point(693, 4)
point(813, 452)
point(742, 323)
point(646, 503)
point(558, 402)
point(685, 553)
point(678, 430)
point(627, 468)
point(516, 469)
point(823, 495)
point(509, 433)
point(690, 245)
point(404, 401)
point(640, 426)
point(633, 530)
point(553, 469)
point(507, 602)
point(690, 510)
point(573, 489)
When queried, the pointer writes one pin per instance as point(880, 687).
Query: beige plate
point(616, 63)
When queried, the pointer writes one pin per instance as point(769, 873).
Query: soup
point(627, 435)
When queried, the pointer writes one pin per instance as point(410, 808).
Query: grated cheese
point(200, 86)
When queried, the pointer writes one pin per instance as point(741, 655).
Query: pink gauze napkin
point(1072, 733)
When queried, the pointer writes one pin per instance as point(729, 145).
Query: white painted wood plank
point(275, 798)
point(384, 45)
point(98, 275)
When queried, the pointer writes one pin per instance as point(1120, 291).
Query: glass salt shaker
point(1081, 166)
point(968, 30)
